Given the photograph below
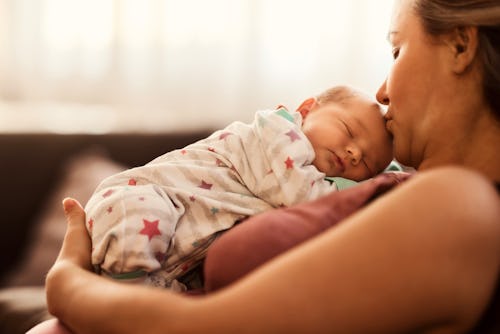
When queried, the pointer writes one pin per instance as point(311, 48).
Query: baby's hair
point(337, 94)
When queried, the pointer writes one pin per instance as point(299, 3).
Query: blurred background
point(99, 66)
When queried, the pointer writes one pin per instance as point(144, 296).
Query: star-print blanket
point(156, 221)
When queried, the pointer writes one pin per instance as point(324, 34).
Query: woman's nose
point(382, 96)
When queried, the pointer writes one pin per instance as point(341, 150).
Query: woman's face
point(415, 87)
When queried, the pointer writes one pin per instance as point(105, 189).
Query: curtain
point(154, 65)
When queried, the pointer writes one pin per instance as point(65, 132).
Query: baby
point(154, 223)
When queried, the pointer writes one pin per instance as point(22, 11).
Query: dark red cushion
point(264, 236)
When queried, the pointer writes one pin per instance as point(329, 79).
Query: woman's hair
point(441, 16)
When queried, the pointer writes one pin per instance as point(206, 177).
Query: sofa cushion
point(80, 176)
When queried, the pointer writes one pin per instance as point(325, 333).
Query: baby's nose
point(354, 155)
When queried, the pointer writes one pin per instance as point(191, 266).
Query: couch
point(38, 171)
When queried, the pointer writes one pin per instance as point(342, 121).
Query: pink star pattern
point(91, 224)
point(205, 185)
point(185, 266)
point(211, 149)
point(160, 257)
point(293, 135)
point(224, 135)
point(107, 193)
point(132, 182)
point(150, 228)
point(110, 209)
point(192, 198)
point(183, 152)
point(289, 163)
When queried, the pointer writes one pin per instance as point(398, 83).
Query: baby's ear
point(307, 106)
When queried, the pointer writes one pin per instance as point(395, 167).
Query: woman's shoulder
point(462, 209)
point(463, 190)
point(458, 183)
point(465, 199)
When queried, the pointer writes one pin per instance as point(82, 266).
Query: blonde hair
point(337, 94)
point(442, 16)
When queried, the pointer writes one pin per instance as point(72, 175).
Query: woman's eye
point(395, 53)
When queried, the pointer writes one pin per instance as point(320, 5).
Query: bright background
point(159, 65)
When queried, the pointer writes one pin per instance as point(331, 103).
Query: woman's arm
point(424, 257)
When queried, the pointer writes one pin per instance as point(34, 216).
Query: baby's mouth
point(338, 162)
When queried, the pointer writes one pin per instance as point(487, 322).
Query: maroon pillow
point(264, 236)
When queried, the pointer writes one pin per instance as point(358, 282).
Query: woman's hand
point(88, 303)
point(75, 255)
point(76, 247)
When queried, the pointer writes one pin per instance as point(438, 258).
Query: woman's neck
point(477, 147)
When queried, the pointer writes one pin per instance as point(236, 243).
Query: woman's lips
point(388, 125)
point(388, 121)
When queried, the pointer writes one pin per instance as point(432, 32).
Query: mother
point(423, 258)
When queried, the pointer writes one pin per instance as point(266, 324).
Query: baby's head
point(347, 131)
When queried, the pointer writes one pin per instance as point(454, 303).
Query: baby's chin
point(330, 172)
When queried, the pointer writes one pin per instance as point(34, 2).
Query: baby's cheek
point(357, 173)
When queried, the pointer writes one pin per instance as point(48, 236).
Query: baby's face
point(349, 138)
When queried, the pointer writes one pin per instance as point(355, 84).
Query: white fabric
point(193, 193)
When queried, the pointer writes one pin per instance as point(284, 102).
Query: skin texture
point(440, 115)
point(423, 258)
point(349, 137)
point(420, 295)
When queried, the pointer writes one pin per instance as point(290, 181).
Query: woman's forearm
point(88, 303)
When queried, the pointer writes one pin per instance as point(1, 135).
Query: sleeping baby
point(153, 224)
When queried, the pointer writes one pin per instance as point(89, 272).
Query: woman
point(424, 258)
